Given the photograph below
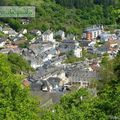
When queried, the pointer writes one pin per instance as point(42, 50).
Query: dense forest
point(88, 3)
point(71, 19)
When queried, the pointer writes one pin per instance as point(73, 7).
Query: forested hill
point(52, 14)
point(88, 3)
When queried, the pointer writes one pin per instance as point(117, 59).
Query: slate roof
point(48, 32)
point(78, 75)
point(94, 28)
point(67, 45)
point(2, 40)
point(54, 81)
point(43, 73)
point(60, 32)
point(84, 43)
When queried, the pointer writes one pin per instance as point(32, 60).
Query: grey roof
point(69, 41)
point(0, 28)
point(67, 45)
point(84, 43)
point(7, 50)
point(43, 73)
point(48, 32)
point(78, 75)
point(60, 32)
point(103, 48)
point(39, 85)
point(39, 48)
point(94, 28)
point(2, 40)
point(54, 81)
point(78, 72)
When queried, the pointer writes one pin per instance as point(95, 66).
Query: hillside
point(87, 3)
point(50, 15)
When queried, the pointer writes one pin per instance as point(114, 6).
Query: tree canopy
point(16, 102)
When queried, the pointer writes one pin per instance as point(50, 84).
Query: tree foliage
point(18, 64)
point(15, 101)
point(82, 13)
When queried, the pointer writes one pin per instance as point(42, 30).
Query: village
point(62, 62)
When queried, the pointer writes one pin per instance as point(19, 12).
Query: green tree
point(18, 64)
point(16, 102)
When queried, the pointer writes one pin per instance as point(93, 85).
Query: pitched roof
point(2, 40)
point(48, 32)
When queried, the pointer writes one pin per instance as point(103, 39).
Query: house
point(112, 43)
point(44, 51)
point(78, 52)
point(54, 83)
point(91, 33)
point(46, 98)
point(57, 60)
point(26, 83)
point(110, 47)
point(95, 66)
point(34, 60)
point(23, 31)
point(80, 75)
point(1, 28)
point(113, 46)
point(39, 85)
point(13, 46)
point(50, 79)
point(92, 44)
point(51, 71)
point(104, 37)
point(91, 50)
point(38, 54)
point(60, 34)
point(10, 50)
point(70, 45)
point(18, 37)
point(118, 36)
point(25, 21)
point(9, 31)
point(84, 43)
point(2, 42)
point(36, 32)
point(48, 36)
point(102, 49)
point(18, 40)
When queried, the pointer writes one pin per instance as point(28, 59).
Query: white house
point(24, 31)
point(0, 28)
point(92, 32)
point(48, 36)
point(36, 32)
point(48, 57)
point(92, 44)
point(2, 42)
point(78, 52)
point(104, 37)
point(9, 31)
point(61, 34)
